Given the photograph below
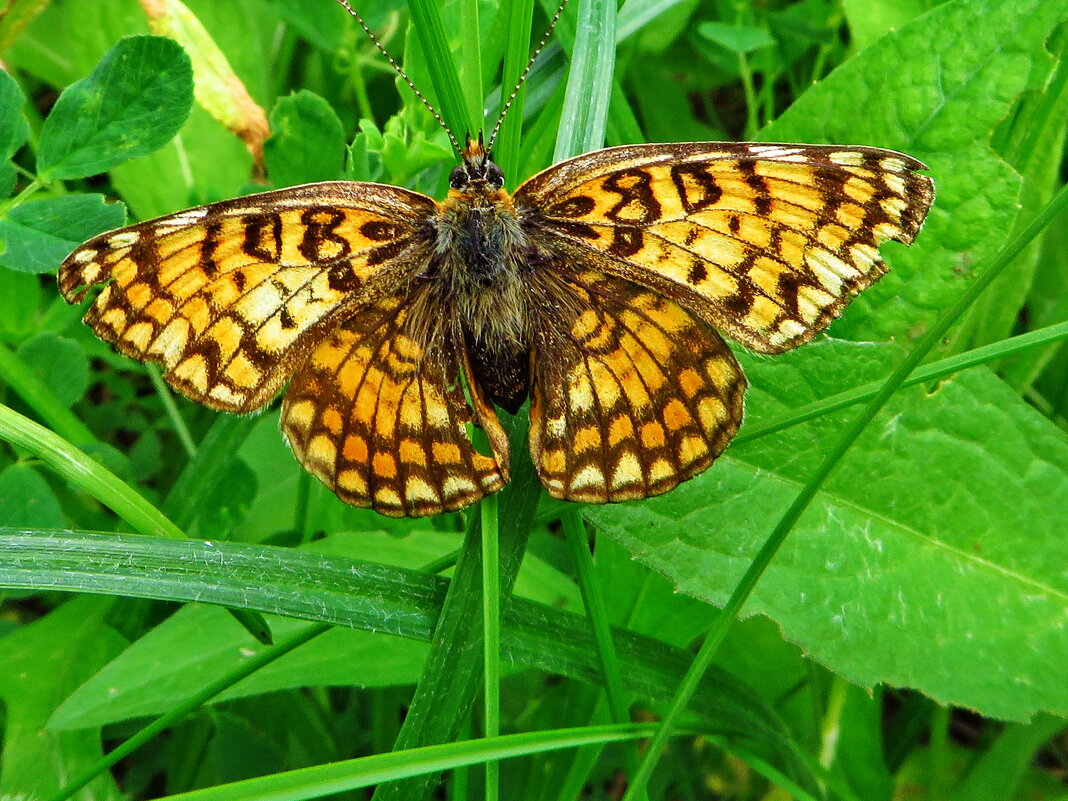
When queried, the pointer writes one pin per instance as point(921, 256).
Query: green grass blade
point(426, 19)
point(491, 649)
point(589, 81)
point(352, 774)
point(370, 597)
point(516, 54)
point(80, 469)
point(471, 63)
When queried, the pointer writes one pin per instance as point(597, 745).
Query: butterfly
point(599, 290)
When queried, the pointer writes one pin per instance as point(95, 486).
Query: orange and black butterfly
point(598, 290)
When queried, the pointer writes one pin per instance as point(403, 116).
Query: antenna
point(400, 71)
point(523, 76)
point(422, 98)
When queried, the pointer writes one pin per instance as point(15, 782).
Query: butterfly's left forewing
point(229, 298)
point(767, 242)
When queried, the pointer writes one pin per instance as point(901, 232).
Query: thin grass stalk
point(166, 397)
point(929, 372)
point(17, 375)
point(597, 614)
point(491, 639)
point(75, 466)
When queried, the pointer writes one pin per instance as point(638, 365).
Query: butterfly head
point(476, 172)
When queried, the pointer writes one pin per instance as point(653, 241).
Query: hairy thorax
point(478, 265)
point(483, 270)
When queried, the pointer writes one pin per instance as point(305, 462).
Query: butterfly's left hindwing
point(767, 242)
point(229, 298)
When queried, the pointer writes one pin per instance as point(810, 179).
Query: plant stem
point(491, 621)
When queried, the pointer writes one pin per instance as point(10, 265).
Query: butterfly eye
point(494, 176)
point(458, 177)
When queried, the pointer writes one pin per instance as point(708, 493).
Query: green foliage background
point(908, 640)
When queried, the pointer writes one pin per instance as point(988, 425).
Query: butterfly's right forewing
point(767, 242)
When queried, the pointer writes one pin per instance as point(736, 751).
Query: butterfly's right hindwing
point(631, 396)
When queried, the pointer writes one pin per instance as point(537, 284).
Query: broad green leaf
point(643, 601)
point(322, 24)
point(307, 142)
point(8, 177)
point(67, 646)
point(659, 23)
point(13, 127)
point(60, 364)
point(133, 103)
point(20, 296)
point(406, 155)
point(40, 233)
point(931, 560)
point(984, 54)
point(216, 88)
point(1026, 139)
point(65, 42)
point(868, 21)
point(202, 164)
point(146, 456)
point(739, 39)
point(13, 130)
point(27, 500)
